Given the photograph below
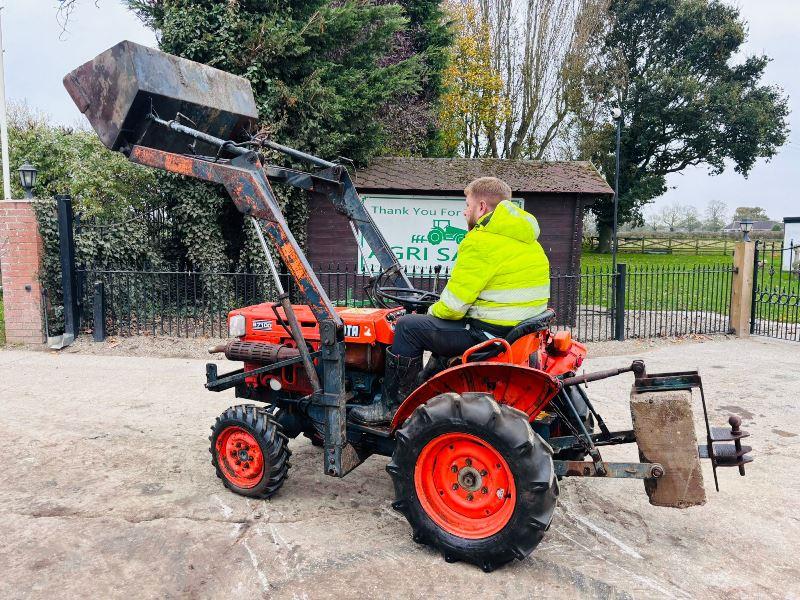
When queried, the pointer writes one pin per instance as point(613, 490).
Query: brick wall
point(20, 254)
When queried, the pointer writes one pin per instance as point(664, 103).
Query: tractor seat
point(538, 323)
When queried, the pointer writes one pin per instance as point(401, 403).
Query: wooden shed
point(398, 190)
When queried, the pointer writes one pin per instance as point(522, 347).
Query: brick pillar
point(20, 256)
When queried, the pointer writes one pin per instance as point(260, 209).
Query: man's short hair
point(489, 189)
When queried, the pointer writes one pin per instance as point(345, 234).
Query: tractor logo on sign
point(442, 230)
point(422, 231)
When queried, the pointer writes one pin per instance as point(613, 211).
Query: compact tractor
point(478, 449)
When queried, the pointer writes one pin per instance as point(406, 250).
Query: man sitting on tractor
point(501, 277)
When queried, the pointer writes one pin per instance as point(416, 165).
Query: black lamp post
point(746, 227)
point(27, 178)
point(616, 114)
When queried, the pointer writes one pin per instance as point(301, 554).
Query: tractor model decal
point(443, 230)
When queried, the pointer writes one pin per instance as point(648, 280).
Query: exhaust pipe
point(255, 352)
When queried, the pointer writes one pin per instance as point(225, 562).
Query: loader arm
point(124, 90)
point(334, 184)
point(244, 179)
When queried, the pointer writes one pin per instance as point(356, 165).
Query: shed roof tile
point(453, 175)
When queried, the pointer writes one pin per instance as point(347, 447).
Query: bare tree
point(716, 215)
point(64, 11)
point(651, 218)
point(539, 50)
point(671, 215)
point(754, 213)
point(691, 219)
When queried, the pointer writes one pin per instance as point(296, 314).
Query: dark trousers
point(413, 334)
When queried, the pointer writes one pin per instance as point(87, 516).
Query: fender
point(518, 386)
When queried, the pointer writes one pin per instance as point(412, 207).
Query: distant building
point(757, 226)
point(791, 243)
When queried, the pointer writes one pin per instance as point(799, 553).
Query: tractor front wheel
point(473, 479)
point(249, 451)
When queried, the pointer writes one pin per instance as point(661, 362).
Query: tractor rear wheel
point(473, 479)
point(249, 451)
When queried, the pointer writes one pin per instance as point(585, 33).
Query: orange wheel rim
point(465, 485)
point(240, 457)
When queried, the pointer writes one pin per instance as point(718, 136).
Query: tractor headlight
point(236, 326)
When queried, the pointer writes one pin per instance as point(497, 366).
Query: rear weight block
point(664, 427)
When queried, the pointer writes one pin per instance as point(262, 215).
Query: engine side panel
point(362, 325)
point(368, 331)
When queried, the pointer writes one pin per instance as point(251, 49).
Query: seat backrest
point(538, 323)
point(534, 324)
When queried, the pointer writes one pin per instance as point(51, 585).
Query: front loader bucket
point(120, 88)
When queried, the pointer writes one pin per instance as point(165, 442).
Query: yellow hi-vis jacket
point(501, 274)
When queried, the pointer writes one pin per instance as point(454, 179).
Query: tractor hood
point(510, 221)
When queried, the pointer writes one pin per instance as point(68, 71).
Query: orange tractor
point(478, 449)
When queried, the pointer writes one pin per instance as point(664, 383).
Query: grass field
point(675, 282)
point(592, 259)
point(660, 282)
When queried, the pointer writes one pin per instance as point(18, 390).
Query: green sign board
point(423, 231)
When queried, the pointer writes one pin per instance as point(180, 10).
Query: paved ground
point(109, 493)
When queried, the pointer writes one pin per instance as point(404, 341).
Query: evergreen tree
point(412, 118)
point(324, 74)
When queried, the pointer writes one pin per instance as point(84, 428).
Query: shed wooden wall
point(560, 217)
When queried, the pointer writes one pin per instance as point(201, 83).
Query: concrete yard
point(109, 493)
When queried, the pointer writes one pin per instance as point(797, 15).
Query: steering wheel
point(412, 299)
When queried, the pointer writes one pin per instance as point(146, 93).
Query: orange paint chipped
point(173, 162)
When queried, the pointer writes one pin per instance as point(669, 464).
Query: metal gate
point(776, 290)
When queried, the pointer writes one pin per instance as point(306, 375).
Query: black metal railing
point(668, 301)
point(776, 290)
point(651, 301)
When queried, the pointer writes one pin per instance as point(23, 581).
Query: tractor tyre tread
point(262, 425)
point(529, 458)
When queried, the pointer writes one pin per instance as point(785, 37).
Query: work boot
point(399, 380)
point(435, 365)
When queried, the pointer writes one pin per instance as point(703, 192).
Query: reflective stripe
point(535, 224)
point(511, 296)
point(452, 301)
point(506, 313)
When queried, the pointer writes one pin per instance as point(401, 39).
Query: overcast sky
point(38, 54)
